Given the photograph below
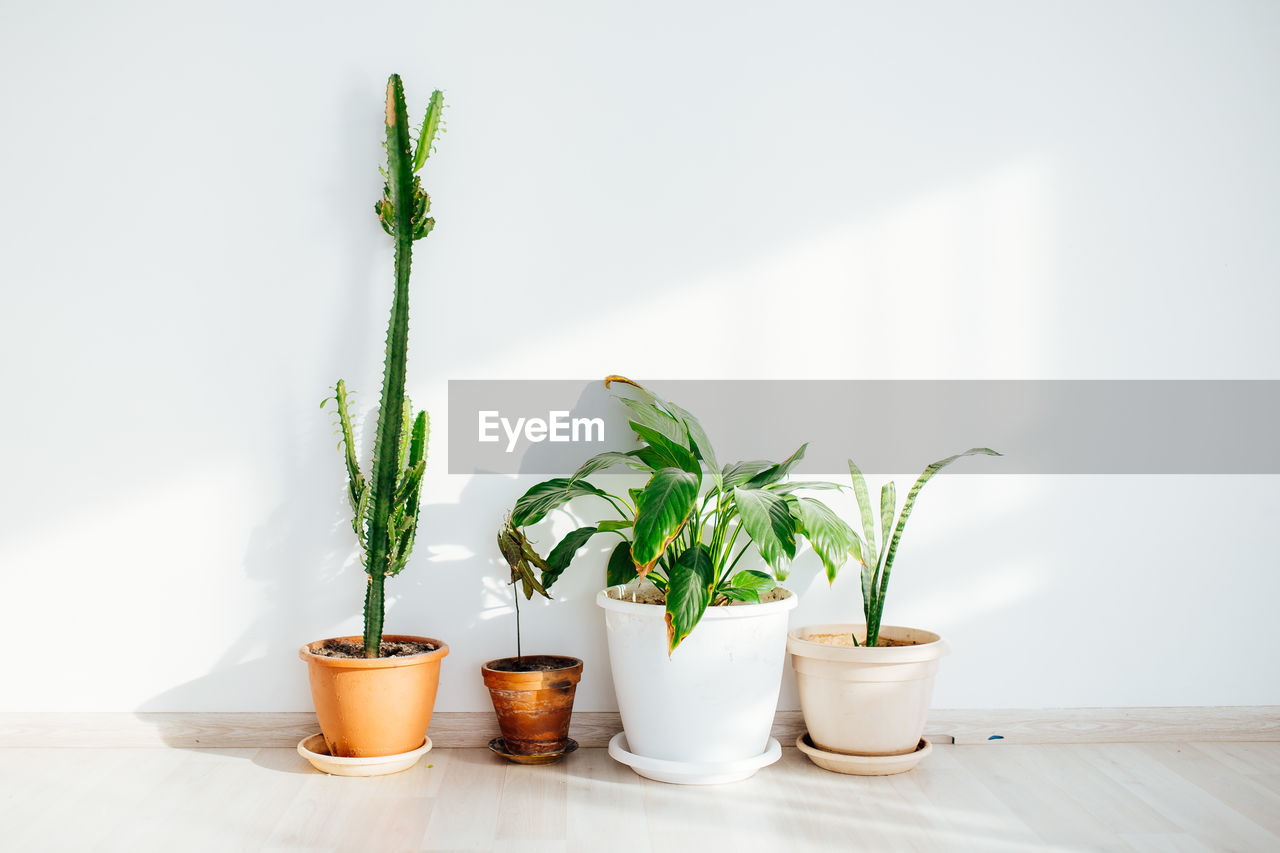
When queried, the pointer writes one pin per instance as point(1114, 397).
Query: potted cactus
point(697, 642)
point(532, 694)
point(374, 694)
point(865, 689)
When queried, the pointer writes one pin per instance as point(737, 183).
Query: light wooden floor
point(994, 797)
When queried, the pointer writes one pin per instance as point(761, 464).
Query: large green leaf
point(608, 459)
point(688, 593)
point(562, 555)
point(701, 443)
point(620, 569)
point(752, 579)
point(664, 506)
point(534, 504)
point(665, 453)
point(740, 472)
point(797, 485)
point(832, 539)
point(769, 523)
point(776, 472)
point(656, 419)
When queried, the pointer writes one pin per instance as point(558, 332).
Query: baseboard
point(594, 728)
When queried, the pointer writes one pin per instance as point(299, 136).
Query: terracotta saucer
point(863, 765)
point(316, 751)
point(499, 747)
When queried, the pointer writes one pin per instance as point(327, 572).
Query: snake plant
point(385, 506)
point(878, 563)
point(688, 528)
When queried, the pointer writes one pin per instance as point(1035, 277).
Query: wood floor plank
point(1224, 782)
point(466, 810)
point(603, 798)
point(1147, 797)
point(1016, 773)
point(534, 803)
point(1164, 842)
point(1194, 810)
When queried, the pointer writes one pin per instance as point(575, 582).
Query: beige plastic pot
point(861, 701)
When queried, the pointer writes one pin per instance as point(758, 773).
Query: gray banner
point(548, 427)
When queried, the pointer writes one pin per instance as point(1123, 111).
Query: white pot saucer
point(863, 765)
point(692, 772)
point(316, 751)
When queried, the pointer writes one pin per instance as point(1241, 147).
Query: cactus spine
point(385, 507)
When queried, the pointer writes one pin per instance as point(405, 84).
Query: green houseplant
point(865, 700)
point(696, 641)
point(532, 695)
point(374, 694)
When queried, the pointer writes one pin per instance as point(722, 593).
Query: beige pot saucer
point(315, 750)
point(863, 765)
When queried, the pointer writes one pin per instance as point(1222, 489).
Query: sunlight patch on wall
point(952, 284)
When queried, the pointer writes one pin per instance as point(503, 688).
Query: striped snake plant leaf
point(688, 593)
point(869, 553)
point(664, 506)
point(907, 505)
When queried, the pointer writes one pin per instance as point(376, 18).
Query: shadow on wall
point(305, 558)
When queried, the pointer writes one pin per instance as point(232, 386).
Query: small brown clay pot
point(374, 706)
point(533, 697)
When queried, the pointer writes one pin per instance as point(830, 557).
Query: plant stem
point(519, 653)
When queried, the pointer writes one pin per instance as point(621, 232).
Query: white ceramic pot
point(712, 701)
point(861, 701)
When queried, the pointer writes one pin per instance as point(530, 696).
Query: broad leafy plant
point(687, 529)
point(385, 506)
point(878, 563)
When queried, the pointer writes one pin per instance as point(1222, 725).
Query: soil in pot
point(846, 640)
point(531, 663)
point(533, 698)
point(388, 649)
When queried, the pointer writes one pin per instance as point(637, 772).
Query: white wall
point(189, 259)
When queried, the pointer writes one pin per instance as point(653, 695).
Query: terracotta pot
point(374, 706)
point(533, 708)
point(861, 701)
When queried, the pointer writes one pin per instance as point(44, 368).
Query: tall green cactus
point(385, 508)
